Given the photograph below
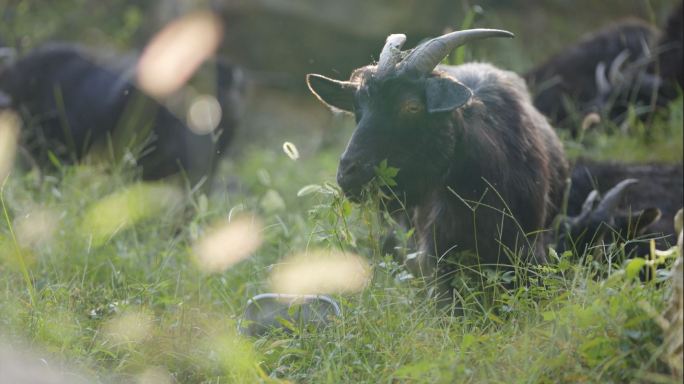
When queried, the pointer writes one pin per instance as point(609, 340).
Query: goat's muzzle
point(353, 175)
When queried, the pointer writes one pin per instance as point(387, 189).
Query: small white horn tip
point(501, 32)
point(493, 32)
point(396, 38)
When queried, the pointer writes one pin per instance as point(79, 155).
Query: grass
point(635, 142)
point(120, 296)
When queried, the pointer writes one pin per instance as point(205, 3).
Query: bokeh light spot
point(204, 114)
point(177, 51)
point(9, 136)
point(229, 243)
point(321, 272)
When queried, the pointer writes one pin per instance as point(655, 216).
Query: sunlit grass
point(636, 141)
point(134, 306)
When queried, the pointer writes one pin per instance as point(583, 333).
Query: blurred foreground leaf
point(124, 208)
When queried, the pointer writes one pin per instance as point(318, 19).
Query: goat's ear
point(443, 94)
point(333, 93)
point(637, 222)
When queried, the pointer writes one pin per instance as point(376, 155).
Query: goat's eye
point(411, 107)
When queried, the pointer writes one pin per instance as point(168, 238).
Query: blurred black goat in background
point(626, 63)
point(670, 47)
point(622, 202)
point(73, 105)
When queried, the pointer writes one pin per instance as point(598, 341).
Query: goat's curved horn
point(590, 203)
point(612, 198)
point(425, 57)
point(615, 72)
point(391, 53)
point(602, 85)
point(645, 47)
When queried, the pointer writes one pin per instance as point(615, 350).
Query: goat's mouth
point(372, 189)
point(362, 183)
point(354, 191)
point(354, 179)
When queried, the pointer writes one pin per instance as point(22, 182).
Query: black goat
point(480, 169)
point(670, 59)
point(71, 103)
point(637, 199)
point(627, 63)
point(575, 80)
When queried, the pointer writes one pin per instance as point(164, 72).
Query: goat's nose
point(348, 167)
point(352, 175)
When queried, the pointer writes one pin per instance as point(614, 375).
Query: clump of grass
point(569, 321)
point(572, 322)
point(637, 141)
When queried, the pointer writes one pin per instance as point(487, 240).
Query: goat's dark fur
point(567, 82)
point(670, 51)
point(70, 103)
point(506, 156)
point(659, 186)
point(481, 178)
point(569, 76)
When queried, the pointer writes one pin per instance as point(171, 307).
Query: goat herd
point(468, 140)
